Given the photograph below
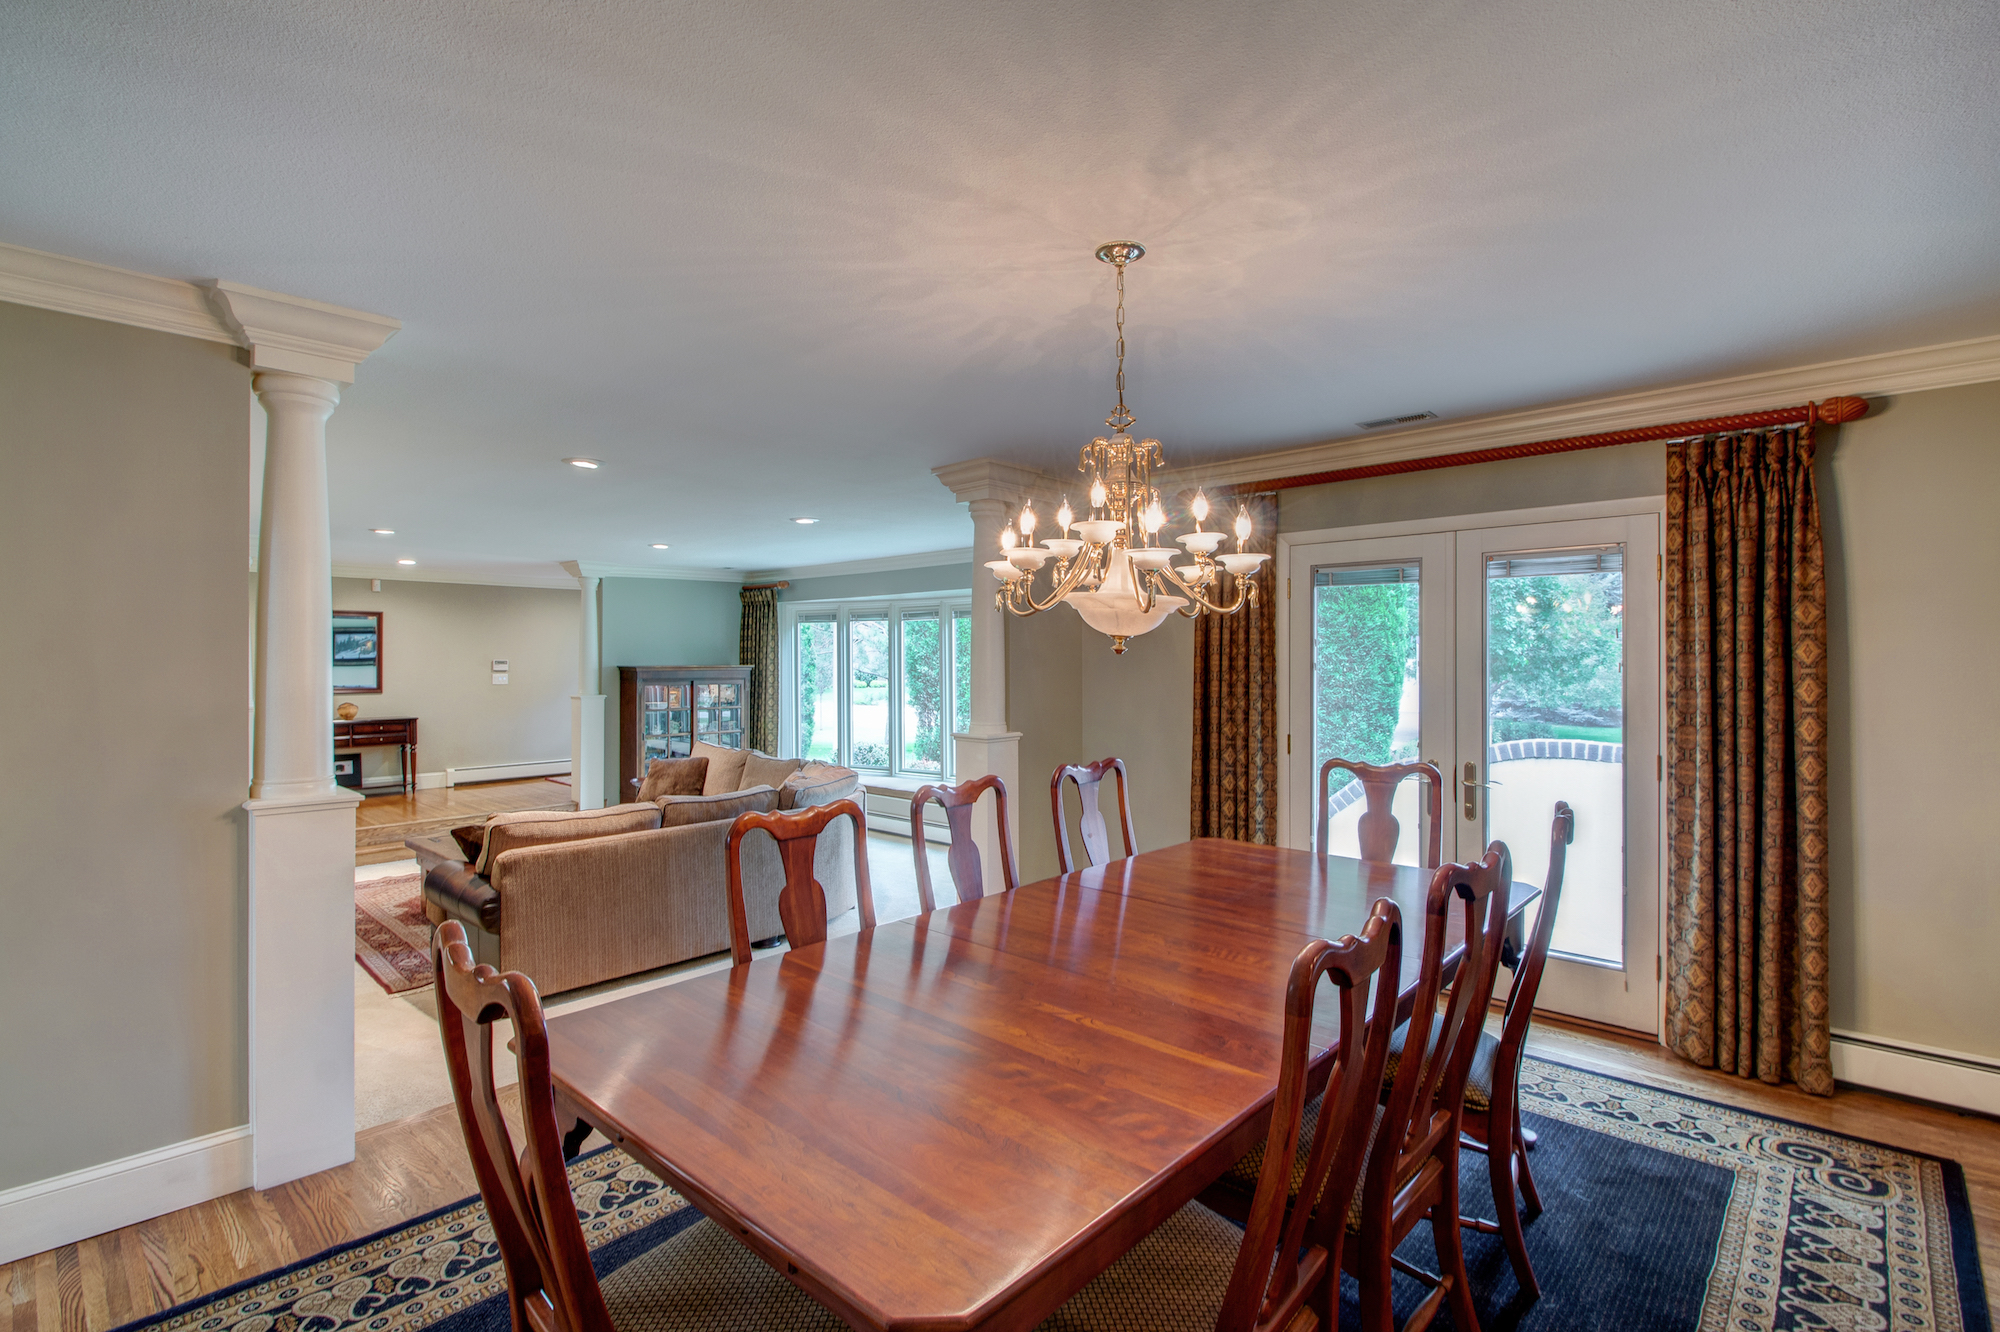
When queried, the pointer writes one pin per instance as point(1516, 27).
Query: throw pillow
point(763, 770)
point(679, 776)
point(679, 811)
point(539, 827)
point(471, 839)
point(817, 783)
point(725, 768)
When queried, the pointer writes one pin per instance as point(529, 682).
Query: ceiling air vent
point(1384, 422)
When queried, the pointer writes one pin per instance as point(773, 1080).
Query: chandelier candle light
point(1114, 571)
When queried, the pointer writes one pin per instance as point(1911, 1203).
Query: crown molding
point(401, 574)
point(280, 332)
point(117, 295)
point(934, 559)
point(299, 336)
point(1974, 361)
point(590, 569)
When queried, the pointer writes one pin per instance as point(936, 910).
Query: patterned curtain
point(758, 648)
point(1235, 788)
point(1746, 757)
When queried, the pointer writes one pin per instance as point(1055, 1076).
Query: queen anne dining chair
point(676, 1286)
point(1493, 1088)
point(963, 857)
point(1412, 1169)
point(1380, 830)
point(801, 901)
point(1196, 1271)
point(1090, 826)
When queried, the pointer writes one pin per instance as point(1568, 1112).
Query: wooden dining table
point(955, 1121)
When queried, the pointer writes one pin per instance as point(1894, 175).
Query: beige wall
point(1913, 551)
point(1044, 704)
point(439, 641)
point(124, 502)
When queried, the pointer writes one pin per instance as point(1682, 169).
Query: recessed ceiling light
point(588, 464)
point(805, 522)
point(383, 531)
point(406, 561)
point(661, 545)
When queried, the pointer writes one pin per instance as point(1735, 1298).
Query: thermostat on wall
point(499, 670)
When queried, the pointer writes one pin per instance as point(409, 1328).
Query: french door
point(1523, 658)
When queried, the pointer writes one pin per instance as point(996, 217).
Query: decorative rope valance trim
point(1833, 411)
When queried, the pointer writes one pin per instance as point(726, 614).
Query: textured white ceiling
point(769, 259)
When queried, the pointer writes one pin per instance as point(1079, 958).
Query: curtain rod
point(1833, 411)
point(758, 587)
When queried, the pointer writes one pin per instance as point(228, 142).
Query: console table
point(374, 732)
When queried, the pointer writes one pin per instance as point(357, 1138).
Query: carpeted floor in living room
point(399, 1065)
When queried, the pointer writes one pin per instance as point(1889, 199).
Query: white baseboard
point(1948, 1077)
point(100, 1198)
point(426, 781)
point(501, 772)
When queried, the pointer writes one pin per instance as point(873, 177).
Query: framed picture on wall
point(357, 652)
point(353, 647)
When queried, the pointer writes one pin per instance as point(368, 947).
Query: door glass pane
point(922, 688)
point(868, 692)
point(961, 671)
point(819, 693)
point(1364, 693)
point(1555, 691)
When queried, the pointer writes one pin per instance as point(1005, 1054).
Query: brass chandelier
point(1115, 572)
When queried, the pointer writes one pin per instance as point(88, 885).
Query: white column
point(300, 835)
point(989, 747)
point(586, 710)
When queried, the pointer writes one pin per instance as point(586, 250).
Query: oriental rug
point(392, 936)
point(1664, 1213)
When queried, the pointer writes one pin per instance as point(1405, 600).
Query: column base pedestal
point(300, 857)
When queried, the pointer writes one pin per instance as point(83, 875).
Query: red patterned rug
point(392, 937)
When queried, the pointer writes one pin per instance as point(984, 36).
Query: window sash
point(947, 613)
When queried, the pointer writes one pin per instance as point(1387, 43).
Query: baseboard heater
point(891, 813)
point(502, 772)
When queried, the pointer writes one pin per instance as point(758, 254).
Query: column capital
point(286, 388)
point(992, 479)
point(293, 334)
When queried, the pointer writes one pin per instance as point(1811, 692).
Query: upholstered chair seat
point(705, 1280)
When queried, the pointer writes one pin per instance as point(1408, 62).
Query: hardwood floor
point(404, 1169)
point(381, 822)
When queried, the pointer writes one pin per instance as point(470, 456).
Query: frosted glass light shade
point(1114, 609)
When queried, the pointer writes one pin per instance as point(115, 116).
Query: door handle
point(1471, 783)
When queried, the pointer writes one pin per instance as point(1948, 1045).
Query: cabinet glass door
point(718, 713)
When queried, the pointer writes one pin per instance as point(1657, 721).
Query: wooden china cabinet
point(663, 710)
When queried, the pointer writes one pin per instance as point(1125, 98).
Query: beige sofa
point(572, 899)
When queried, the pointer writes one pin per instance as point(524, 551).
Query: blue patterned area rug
point(1663, 1213)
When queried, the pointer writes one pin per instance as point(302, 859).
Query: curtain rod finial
point(1836, 410)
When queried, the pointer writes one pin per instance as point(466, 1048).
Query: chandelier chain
point(1121, 339)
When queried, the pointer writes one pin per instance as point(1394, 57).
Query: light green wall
point(124, 528)
point(1913, 549)
point(885, 583)
point(1140, 707)
point(1628, 471)
point(439, 641)
point(660, 622)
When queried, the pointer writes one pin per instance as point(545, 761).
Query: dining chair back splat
point(1495, 1126)
point(1090, 826)
point(1412, 1172)
point(551, 1285)
point(802, 901)
point(1282, 1269)
point(963, 856)
point(1380, 830)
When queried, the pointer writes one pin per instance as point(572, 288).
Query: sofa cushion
point(817, 783)
point(677, 811)
point(536, 827)
point(725, 768)
point(763, 770)
point(675, 776)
